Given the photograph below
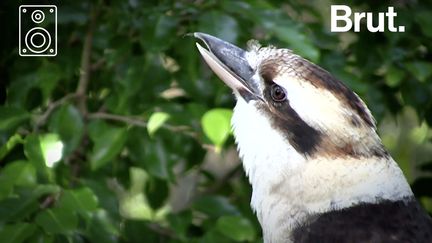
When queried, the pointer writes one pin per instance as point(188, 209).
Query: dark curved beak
point(230, 64)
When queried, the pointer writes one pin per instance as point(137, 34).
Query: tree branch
point(162, 230)
point(125, 119)
point(141, 123)
point(85, 67)
point(41, 120)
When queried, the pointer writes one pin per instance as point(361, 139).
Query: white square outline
point(19, 31)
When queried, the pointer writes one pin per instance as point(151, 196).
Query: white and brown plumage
point(309, 146)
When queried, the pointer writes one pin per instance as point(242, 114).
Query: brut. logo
point(343, 23)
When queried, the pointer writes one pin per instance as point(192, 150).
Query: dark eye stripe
point(320, 78)
point(304, 138)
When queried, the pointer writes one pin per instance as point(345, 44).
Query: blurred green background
point(124, 136)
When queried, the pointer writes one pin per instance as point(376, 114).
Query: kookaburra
point(309, 147)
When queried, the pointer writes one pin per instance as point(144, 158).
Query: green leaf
point(215, 206)
point(68, 123)
point(57, 221)
point(10, 144)
point(151, 154)
point(45, 189)
point(155, 121)
point(138, 230)
point(105, 193)
point(421, 70)
point(20, 173)
point(33, 151)
point(297, 41)
point(109, 142)
point(102, 228)
point(236, 227)
point(160, 31)
point(40, 236)
point(16, 233)
point(157, 192)
point(164, 27)
point(277, 23)
point(180, 222)
point(44, 150)
point(79, 200)
point(10, 117)
point(424, 21)
point(25, 203)
point(17, 173)
point(214, 236)
point(219, 24)
point(48, 76)
point(394, 76)
point(157, 161)
point(52, 148)
point(6, 186)
point(216, 125)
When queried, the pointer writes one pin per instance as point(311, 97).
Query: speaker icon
point(37, 30)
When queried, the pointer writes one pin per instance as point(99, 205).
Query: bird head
point(308, 143)
point(314, 112)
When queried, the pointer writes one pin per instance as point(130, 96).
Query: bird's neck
point(284, 199)
point(288, 187)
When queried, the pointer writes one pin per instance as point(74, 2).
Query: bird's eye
point(278, 93)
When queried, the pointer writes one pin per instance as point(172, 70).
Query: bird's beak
point(230, 64)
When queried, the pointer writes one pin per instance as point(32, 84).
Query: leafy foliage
point(114, 139)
